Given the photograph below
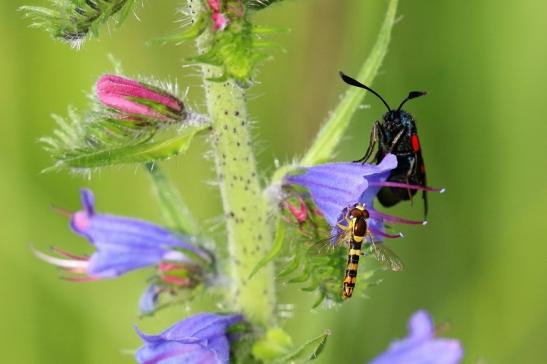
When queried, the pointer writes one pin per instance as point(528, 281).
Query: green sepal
point(307, 352)
point(275, 344)
point(292, 266)
point(194, 31)
point(139, 153)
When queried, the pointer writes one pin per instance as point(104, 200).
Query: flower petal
point(335, 186)
point(421, 346)
point(198, 339)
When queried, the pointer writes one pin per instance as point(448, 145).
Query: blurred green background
point(480, 263)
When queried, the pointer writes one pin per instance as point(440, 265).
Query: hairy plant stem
point(173, 209)
point(245, 209)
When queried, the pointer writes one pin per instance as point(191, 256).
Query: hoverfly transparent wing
point(330, 242)
point(387, 257)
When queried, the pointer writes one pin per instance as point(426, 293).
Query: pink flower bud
point(220, 21)
point(214, 5)
point(134, 99)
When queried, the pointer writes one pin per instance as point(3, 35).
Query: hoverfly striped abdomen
point(357, 230)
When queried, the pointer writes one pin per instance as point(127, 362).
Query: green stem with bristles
point(330, 135)
point(245, 210)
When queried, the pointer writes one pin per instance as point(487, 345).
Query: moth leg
point(396, 140)
point(371, 144)
point(411, 171)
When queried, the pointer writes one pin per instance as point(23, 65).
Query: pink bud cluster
point(220, 20)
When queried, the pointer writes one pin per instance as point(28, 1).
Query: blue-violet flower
point(124, 244)
point(421, 346)
point(201, 338)
point(334, 187)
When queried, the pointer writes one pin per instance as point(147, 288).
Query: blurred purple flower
point(334, 187)
point(200, 338)
point(122, 244)
point(421, 345)
point(135, 100)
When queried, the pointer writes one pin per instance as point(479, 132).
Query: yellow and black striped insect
point(354, 233)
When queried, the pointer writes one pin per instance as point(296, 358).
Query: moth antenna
point(411, 95)
point(354, 82)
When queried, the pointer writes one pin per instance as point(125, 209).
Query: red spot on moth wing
point(415, 142)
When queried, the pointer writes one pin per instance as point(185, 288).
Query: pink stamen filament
point(396, 219)
point(66, 254)
point(386, 235)
point(62, 211)
point(407, 186)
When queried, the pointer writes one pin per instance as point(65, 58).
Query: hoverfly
point(396, 134)
point(354, 232)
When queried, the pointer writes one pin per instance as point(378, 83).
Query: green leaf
point(276, 248)
point(331, 133)
point(139, 153)
point(307, 352)
point(276, 343)
point(174, 210)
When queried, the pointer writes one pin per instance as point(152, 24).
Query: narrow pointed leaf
point(276, 248)
point(140, 153)
point(307, 352)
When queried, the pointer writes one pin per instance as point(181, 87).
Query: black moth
point(397, 134)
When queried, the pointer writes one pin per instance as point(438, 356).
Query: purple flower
point(421, 345)
point(122, 244)
point(134, 100)
point(198, 339)
point(334, 187)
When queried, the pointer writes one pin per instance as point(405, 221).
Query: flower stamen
point(395, 219)
point(407, 186)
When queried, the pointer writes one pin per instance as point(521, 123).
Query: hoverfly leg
point(343, 227)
